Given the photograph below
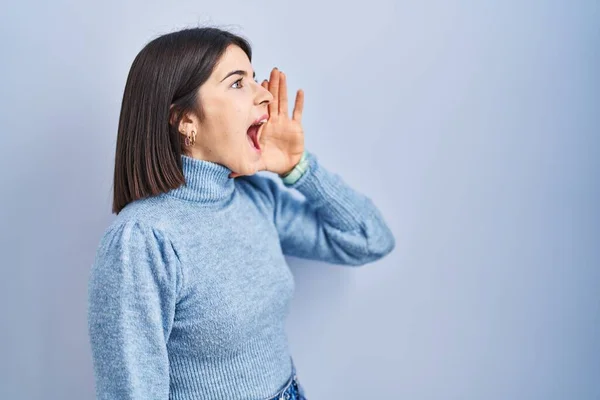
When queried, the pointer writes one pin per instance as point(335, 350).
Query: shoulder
point(158, 213)
point(135, 250)
point(142, 226)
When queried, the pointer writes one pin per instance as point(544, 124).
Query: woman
point(189, 291)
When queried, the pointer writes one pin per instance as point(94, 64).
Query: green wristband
point(299, 170)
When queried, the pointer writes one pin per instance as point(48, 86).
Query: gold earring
point(190, 141)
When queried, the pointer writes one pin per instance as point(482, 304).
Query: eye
point(238, 83)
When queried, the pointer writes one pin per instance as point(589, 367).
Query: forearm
point(346, 216)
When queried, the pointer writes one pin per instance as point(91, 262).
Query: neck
point(206, 182)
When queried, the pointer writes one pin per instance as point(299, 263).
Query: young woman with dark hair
point(190, 289)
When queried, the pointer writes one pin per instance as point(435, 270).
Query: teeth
point(261, 122)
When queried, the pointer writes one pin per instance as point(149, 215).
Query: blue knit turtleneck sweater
point(189, 291)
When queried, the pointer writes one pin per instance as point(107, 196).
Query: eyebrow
point(238, 72)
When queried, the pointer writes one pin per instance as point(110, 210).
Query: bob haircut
point(167, 72)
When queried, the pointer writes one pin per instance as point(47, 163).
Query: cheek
point(228, 115)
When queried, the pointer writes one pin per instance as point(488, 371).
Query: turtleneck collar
point(206, 181)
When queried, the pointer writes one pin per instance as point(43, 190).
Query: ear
point(187, 122)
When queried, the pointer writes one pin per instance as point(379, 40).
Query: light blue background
point(474, 126)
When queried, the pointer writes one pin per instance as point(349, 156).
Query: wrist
point(296, 173)
point(288, 172)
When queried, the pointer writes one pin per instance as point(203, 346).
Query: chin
point(249, 168)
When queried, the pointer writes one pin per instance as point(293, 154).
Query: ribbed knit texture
point(190, 290)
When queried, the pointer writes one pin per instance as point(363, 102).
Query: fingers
point(265, 84)
point(298, 106)
point(277, 85)
point(274, 89)
point(283, 99)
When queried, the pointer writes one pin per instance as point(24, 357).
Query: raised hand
point(281, 138)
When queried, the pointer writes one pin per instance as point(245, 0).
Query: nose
point(263, 96)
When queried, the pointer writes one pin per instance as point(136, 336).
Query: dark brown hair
point(169, 70)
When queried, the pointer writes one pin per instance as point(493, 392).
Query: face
point(233, 105)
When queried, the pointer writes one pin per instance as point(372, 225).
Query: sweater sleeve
point(132, 293)
point(329, 221)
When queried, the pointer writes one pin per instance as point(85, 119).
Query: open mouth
point(254, 131)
